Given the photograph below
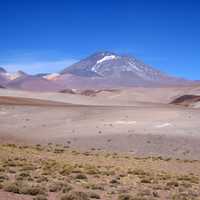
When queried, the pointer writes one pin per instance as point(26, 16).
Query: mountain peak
point(108, 64)
point(2, 70)
point(20, 73)
point(123, 70)
point(104, 53)
point(12, 76)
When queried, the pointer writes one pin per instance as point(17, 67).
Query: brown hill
point(186, 100)
point(6, 100)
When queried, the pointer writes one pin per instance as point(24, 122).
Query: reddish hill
point(7, 100)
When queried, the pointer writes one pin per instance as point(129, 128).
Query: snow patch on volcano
point(111, 57)
point(105, 58)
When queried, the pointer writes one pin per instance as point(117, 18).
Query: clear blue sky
point(47, 35)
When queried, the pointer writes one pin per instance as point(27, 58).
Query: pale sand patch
point(121, 122)
point(125, 122)
point(163, 125)
point(196, 105)
point(3, 113)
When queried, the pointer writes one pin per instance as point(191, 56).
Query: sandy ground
point(129, 121)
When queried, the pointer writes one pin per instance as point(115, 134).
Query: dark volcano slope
point(186, 100)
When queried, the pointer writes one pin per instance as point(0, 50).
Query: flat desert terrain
point(136, 121)
point(137, 144)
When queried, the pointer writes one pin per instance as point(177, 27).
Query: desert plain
point(112, 144)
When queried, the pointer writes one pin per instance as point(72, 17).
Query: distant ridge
point(107, 70)
point(102, 70)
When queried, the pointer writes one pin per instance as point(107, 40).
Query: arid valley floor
point(129, 144)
